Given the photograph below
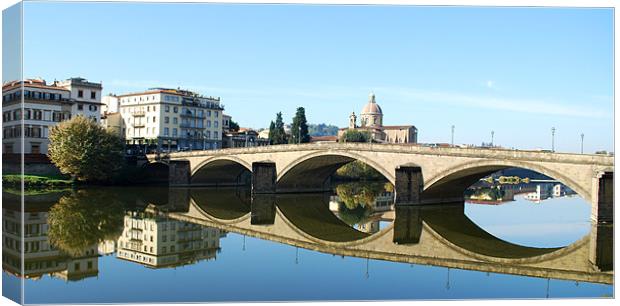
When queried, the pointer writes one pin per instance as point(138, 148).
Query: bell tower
point(352, 121)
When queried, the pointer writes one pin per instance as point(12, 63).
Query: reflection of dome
point(372, 107)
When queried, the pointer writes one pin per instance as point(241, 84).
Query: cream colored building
point(167, 118)
point(371, 121)
point(44, 105)
point(156, 241)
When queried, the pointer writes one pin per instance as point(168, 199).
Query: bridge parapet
point(595, 159)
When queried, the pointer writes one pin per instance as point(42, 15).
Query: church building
point(372, 122)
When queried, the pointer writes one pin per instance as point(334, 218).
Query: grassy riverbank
point(36, 181)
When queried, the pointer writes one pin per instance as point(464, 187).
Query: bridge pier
point(602, 247)
point(178, 199)
point(407, 225)
point(179, 173)
point(408, 185)
point(263, 209)
point(603, 198)
point(263, 177)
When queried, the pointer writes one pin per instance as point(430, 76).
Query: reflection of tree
point(359, 193)
point(353, 216)
point(358, 170)
point(83, 219)
point(485, 193)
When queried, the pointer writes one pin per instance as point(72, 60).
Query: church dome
point(372, 107)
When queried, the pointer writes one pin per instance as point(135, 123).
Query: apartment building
point(169, 119)
point(157, 241)
point(44, 105)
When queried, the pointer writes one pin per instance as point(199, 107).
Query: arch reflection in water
point(440, 235)
point(193, 221)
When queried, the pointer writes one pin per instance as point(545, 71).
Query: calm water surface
point(152, 245)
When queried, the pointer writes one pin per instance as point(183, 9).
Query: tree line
point(299, 129)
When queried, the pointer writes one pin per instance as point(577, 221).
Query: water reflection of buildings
point(381, 209)
point(156, 241)
point(39, 256)
point(502, 193)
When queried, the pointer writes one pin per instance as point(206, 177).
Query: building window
point(35, 148)
point(174, 132)
point(93, 95)
point(153, 118)
point(216, 123)
point(166, 131)
point(208, 113)
point(77, 266)
point(175, 120)
point(176, 109)
point(216, 114)
point(167, 109)
point(80, 94)
point(208, 123)
point(80, 106)
point(166, 119)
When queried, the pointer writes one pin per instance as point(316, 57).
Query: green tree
point(277, 135)
point(83, 219)
point(299, 128)
point(272, 131)
point(355, 136)
point(233, 126)
point(84, 149)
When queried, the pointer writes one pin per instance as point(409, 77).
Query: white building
point(168, 118)
point(157, 241)
point(44, 105)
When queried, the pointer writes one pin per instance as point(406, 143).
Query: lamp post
point(553, 139)
point(582, 143)
point(452, 139)
point(299, 134)
point(492, 135)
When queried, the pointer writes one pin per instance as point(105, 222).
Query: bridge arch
point(453, 182)
point(221, 171)
point(321, 165)
point(224, 207)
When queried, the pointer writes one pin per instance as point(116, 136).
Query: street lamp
point(582, 143)
point(553, 139)
point(492, 135)
point(452, 141)
point(299, 134)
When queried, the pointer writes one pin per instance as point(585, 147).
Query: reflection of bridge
point(432, 235)
point(420, 174)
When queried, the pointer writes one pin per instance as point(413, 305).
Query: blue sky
point(516, 71)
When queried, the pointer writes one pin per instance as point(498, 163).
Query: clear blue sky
point(517, 71)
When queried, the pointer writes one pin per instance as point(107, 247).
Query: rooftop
point(171, 91)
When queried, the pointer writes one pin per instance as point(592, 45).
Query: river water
point(114, 245)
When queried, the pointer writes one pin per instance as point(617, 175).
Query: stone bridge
point(438, 235)
point(421, 175)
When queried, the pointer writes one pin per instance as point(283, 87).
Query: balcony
point(138, 125)
point(190, 115)
point(138, 114)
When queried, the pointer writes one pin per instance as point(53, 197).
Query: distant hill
point(322, 129)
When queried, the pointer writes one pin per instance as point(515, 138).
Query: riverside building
point(44, 105)
point(168, 119)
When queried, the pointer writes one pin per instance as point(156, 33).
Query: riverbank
point(37, 181)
